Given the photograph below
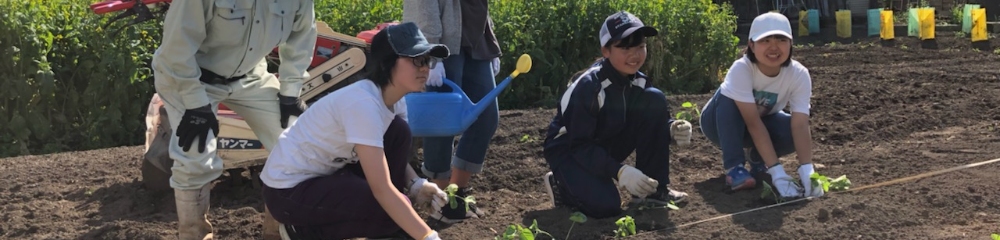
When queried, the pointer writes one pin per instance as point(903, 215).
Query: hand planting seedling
point(626, 226)
point(453, 198)
point(516, 231)
point(837, 184)
point(689, 111)
point(576, 217)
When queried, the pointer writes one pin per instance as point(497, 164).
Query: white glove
point(496, 66)
point(424, 191)
point(635, 182)
point(432, 236)
point(785, 184)
point(681, 132)
point(435, 76)
point(806, 170)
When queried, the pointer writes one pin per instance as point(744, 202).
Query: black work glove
point(195, 124)
point(289, 106)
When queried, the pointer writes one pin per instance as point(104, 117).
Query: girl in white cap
point(746, 112)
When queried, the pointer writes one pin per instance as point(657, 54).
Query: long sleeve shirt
point(592, 116)
point(231, 38)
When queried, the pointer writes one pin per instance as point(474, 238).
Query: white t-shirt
point(792, 87)
point(322, 140)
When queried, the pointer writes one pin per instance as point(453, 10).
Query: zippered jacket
point(591, 116)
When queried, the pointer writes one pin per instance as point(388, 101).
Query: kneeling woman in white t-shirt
point(746, 111)
point(340, 171)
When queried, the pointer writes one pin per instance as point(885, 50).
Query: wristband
point(775, 165)
point(431, 235)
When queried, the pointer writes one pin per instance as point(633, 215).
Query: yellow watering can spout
point(523, 65)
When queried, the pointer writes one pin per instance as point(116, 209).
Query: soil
point(879, 113)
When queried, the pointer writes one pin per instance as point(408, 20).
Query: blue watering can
point(442, 114)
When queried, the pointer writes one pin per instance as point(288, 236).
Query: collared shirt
point(231, 38)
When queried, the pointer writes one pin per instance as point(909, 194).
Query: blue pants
point(476, 79)
point(723, 125)
point(647, 132)
point(341, 205)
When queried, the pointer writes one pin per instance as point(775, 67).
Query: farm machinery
point(337, 60)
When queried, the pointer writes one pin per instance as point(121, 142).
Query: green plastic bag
point(967, 17)
point(874, 21)
point(913, 25)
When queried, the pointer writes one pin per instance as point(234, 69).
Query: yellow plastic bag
point(888, 31)
point(844, 23)
point(926, 18)
point(979, 25)
point(803, 23)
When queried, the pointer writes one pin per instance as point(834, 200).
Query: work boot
point(192, 213)
point(270, 226)
point(552, 188)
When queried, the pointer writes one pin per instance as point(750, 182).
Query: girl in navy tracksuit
point(609, 111)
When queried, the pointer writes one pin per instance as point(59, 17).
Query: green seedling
point(516, 231)
point(837, 184)
point(626, 226)
point(689, 111)
point(995, 236)
point(768, 192)
point(671, 205)
point(576, 217)
point(527, 138)
point(453, 198)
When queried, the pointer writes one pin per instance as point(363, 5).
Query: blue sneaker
point(756, 167)
point(739, 178)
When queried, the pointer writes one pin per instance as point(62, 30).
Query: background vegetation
point(68, 84)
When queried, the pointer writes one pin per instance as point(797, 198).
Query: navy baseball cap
point(621, 25)
point(407, 40)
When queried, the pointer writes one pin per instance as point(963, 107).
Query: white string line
point(922, 175)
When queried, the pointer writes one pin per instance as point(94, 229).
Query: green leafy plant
point(57, 98)
point(670, 205)
point(768, 192)
point(995, 236)
point(527, 138)
point(689, 112)
point(837, 184)
point(453, 198)
point(576, 217)
point(956, 15)
point(626, 226)
point(517, 231)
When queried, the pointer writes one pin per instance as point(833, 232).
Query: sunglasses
point(425, 60)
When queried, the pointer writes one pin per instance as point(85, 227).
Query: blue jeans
point(722, 124)
point(476, 79)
